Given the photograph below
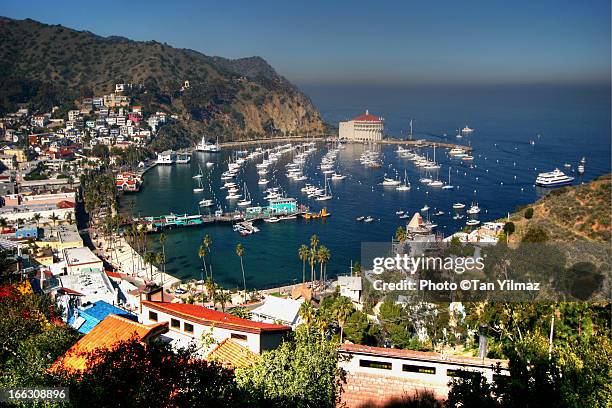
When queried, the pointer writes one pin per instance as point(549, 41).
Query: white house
point(206, 328)
point(278, 310)
point(351, 287)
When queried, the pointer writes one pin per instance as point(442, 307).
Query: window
point(188, 327)
point(382, 365)
point(462, 373)
point(418, 369)
point(152, 316)
point(237, 336)
point(175, 323)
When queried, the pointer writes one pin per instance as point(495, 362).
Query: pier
point(425, 143)
point(171, 221)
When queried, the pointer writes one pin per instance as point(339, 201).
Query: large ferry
point(554, 178)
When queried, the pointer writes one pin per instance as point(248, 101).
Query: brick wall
point(370, 390)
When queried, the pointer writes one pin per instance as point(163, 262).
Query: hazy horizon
point(481, 42)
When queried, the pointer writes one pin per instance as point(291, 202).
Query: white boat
point(467, 158)
point(232, 196)
point(337, 176)
point(206, 203)
point(467, 129)
point(360, 218)
point(439, 213)
point(368, 219)
point(472, 223)
point(406, 185)
point(400, 212)
point(326, 193)
point(458, 206)
point(209, 164)
point(435, 183)
point(204, 146)
point(555, 178)
point(448, 186)
point(390, 182)
point(425, 208)
point(183, 159)
point(474, 209)
point(272, 219)
point(199, 175)
point(456, 150)
point(262, 181)
point(199, 188)
point(247, 198)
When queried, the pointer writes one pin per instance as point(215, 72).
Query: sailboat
point(449, 186)
point(199, 175)
point(199, 188)
point(206, 203)
point(406, 185)
point(326, 193)
point(247, 198)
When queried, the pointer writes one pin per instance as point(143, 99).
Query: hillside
point(576, 213)
point(232, 99)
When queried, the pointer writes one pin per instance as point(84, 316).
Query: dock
point(425, 143)
point(172, 221)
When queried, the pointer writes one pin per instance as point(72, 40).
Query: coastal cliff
point(51, 65)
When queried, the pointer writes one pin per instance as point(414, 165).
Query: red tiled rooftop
point(366, 117)
point(207, 316)
point(110, 331)
point(420, 355)
point(231, 354)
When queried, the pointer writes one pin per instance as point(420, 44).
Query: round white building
point(363, 128)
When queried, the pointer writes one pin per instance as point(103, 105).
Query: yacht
point(199, 188)
point(262, 181)
point(204, 146)
point(435, 183)
point(360, 218)
point(337, 176)
point(456, 150)
point(458, 206)
point(425, 208)
point(232, 196)
point(474, 209)
point(326, 193)
point(390, 182)
point(206, 203)
point(368, 219)
point(554, 178)
point(272, 219)
point(467, 158)
point(183, 159)
point(467, 129)
point(209, 164)
point(400, 212)
point(472, 223)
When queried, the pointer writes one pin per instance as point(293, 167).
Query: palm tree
point(36, 218)
point(314, 241)
point(343, 308)
point(150, 258)
point(303, 253)
point(160, 259)
point(211, 289)
point(202, 255)
point(323, 256)
point(307, 312)
point(162, 241)
point(400, 234)
point(240, 252)
point(54, 218)
point(223, 298)
point(208, 245)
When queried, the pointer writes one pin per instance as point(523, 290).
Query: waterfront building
point(166, 157)
point(283, 205)
point(197, 324)
point(363, 128)
point(376, 374)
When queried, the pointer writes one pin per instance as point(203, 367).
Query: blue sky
point(378, 42)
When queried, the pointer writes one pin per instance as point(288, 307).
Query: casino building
point(363, 128)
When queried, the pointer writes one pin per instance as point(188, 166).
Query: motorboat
point(400, 212)
point(390, 182)
point(425, 208)
point(206, 203)
point(262, 181)
point(474, 209)
point(337, 176)
point(467, 129)
point(472, 222)
point(435, 183)
point(272, 219)
point(368, 219)
point(458, 206)
point(555, 178)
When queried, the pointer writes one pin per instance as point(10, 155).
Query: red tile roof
point(366, 117)
point(205, 316)
point(420, 355)
point(110, 331)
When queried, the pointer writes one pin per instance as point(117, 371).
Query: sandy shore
point(126, 260)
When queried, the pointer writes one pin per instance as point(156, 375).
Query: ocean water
point(566, 123)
